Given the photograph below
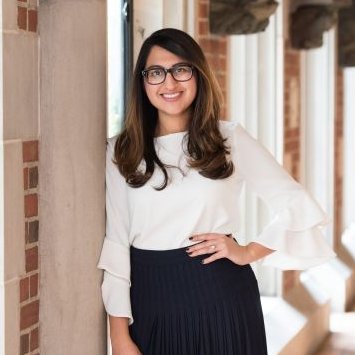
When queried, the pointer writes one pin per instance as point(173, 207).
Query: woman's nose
point(169, 82)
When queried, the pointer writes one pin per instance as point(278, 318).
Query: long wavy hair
point(206, 149)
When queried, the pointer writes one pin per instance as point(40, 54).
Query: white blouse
point(192, 204)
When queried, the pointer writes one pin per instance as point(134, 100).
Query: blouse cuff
point(115, 259)
point(116, 297)
point(295, 235)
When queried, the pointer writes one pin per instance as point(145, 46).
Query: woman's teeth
point(171, 96)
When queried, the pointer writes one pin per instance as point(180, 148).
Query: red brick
point(31, 259)
point(24, 289)
point(31, 205)
point(292, 71)
point(34, 339)
point(33, 177)
point(295, 171)
point(32, 20)
point(24, 344)
point(203, 28)
point(214, 62)
point(29, 314)
point(222, 46)
point(30, 151)
point(32, 234)
point(203, 10)
point(25, 178)
point(291, 146)
point(26, 232)
point(22, 17)
point(292, 133)
point(206, 45)
point(215, 44)
point(223, 62)
point(33, 285)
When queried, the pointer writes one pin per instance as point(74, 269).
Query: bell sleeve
point(115, 254)
point(294, 231)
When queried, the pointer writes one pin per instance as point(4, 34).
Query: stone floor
point(341, 340)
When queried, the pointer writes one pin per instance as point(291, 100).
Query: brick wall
point(214, 47)
point(29, 284)
point(292, 140)
point(27, 15)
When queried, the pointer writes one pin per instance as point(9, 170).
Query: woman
point(176, 280)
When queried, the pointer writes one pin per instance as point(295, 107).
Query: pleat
point(181, 307)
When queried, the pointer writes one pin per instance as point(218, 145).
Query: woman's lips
point(171, 96)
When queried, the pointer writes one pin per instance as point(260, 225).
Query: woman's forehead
point(162, 57)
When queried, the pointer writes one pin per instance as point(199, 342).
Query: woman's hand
point(126, 348)
point(121, 341)
point(223, 246)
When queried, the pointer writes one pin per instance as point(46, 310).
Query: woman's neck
point(171, 125)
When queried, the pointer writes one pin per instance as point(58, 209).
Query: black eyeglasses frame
point(168, 70)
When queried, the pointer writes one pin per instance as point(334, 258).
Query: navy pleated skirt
point(182, 307)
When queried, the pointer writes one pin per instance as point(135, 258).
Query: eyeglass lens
point(157, 75)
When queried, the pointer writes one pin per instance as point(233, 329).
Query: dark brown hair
point(205, 147)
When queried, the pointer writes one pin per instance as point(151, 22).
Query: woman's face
point(171, 98)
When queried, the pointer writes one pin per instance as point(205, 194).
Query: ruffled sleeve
point(115, 254)
point(294, 231)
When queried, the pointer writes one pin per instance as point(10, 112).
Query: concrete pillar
point(72, 150)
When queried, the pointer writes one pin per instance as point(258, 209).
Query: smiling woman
point(176, 279)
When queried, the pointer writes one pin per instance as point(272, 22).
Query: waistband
point(159, 257)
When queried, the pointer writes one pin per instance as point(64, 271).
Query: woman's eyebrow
point(153, 66)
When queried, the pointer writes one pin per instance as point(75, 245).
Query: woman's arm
point(223, 246)
point(121, 342)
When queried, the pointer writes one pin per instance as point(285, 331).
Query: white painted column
point(318, 66)
point(349, 147)
point(72, 161)
point(348, 218)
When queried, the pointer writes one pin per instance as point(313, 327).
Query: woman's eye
point(181, 69)
point(155, 73)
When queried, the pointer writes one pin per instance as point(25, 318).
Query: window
point(256, 101)
point(119, 61)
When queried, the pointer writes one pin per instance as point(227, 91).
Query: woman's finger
point(202, 248)
point(213, 258)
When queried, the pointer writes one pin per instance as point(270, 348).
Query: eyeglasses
point(157, 74)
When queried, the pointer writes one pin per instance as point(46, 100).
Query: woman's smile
point(172, 96)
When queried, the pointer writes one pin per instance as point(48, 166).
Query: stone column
point(72, 161)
